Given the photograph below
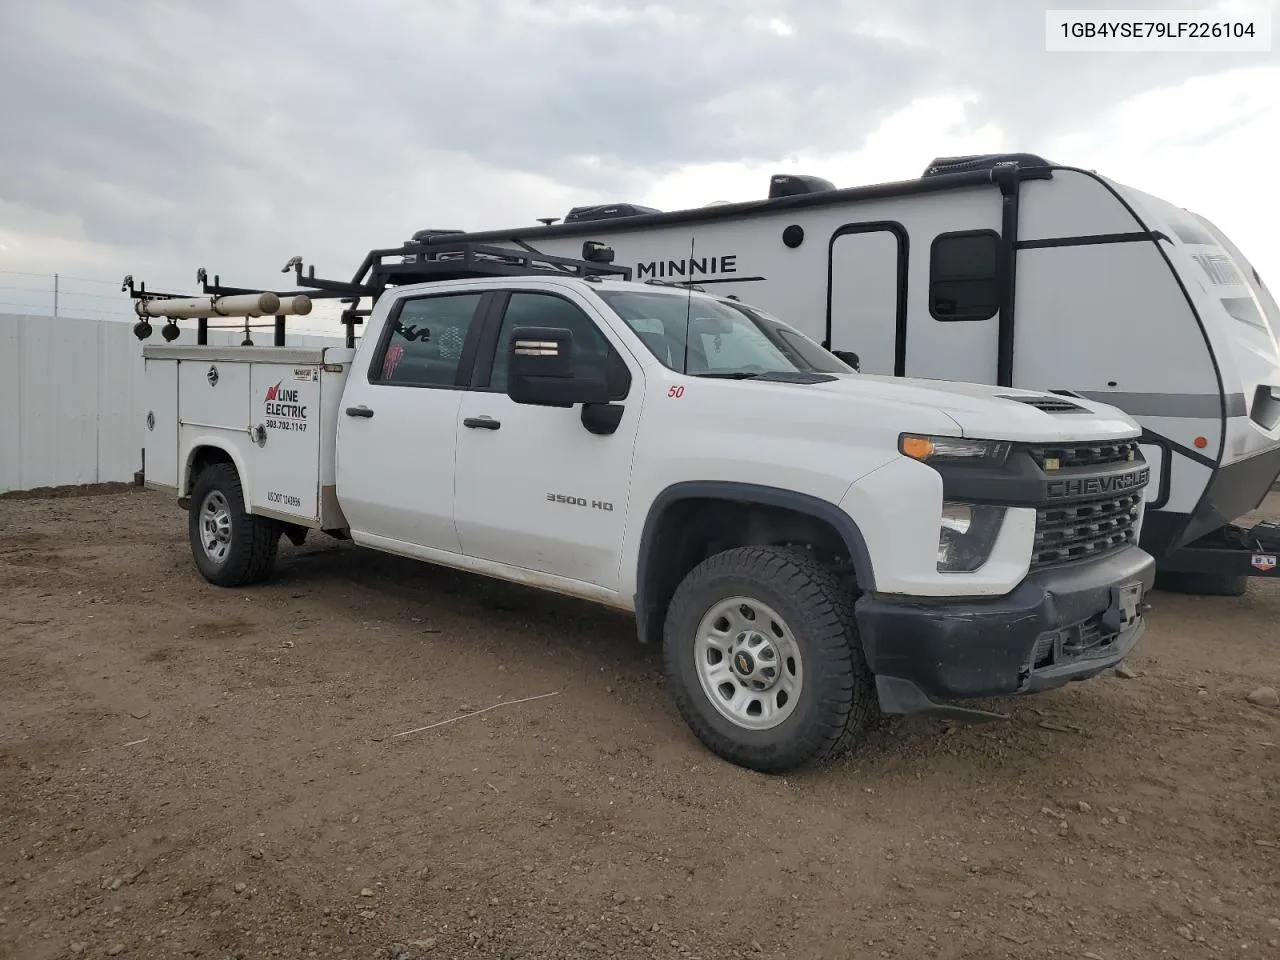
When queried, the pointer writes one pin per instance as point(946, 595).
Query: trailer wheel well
point(682, 534)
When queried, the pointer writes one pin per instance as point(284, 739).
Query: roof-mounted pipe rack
point(380, 269)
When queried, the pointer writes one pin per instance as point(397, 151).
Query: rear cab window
point(425, 341)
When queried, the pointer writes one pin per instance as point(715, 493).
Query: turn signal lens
point(917, 448)
point(931, 449)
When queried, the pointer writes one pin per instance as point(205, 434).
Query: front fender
point(898, 508)
point(647, 602)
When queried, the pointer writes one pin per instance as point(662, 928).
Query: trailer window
point(591, 351)
point(1246, 311)
point(1188, 231)
point(964, 275)
point(423, 346)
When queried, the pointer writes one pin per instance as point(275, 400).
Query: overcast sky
point(154, 136)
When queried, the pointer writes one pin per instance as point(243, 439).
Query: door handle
point(483, 423)
point(361, 411)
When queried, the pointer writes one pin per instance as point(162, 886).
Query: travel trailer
point(1014, 271)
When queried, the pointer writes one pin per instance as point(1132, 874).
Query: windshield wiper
point(801, 377)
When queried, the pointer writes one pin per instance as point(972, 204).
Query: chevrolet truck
point(810, 545)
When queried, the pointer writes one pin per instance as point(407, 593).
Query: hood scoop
point(1048, 404)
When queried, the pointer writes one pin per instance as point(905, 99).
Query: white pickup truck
point(808, 543)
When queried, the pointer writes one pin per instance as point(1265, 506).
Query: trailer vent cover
point(1048, 404)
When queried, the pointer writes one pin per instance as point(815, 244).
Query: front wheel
point(231, 548)
point(763, 658)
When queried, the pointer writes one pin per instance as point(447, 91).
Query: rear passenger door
point(398, 426)
point(535, 488)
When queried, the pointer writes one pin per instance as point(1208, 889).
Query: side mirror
point(849, 357)
point(540, 370)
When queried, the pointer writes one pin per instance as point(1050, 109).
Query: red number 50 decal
point(676, 392)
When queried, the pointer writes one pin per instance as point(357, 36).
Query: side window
point(964, 275)
point(424, 348)
point(591, 349)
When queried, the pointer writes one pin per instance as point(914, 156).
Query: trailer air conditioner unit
point(797, 184)
point(607, 211)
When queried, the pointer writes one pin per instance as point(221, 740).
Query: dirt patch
point(67, 490)
point(186, 771)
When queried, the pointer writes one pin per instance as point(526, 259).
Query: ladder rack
point(406, 264)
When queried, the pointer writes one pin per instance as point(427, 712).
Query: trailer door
point(867, 295)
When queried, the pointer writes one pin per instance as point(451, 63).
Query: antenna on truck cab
point(688, 312)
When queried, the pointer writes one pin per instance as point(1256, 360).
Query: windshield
point(726, 338)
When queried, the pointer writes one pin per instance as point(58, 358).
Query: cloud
point(898, 147)
point(1214, 161)
point(155, 136)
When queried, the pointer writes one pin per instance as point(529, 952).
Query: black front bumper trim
point(1059, 625)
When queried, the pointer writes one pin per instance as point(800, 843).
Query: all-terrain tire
point(1202, 584)
point(836, 701)
point(231, 548)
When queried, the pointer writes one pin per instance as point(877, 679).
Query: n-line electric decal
point(284, 409)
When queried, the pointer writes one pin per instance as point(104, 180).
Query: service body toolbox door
point(160, 433)
point(213, 406)
point(285, 448)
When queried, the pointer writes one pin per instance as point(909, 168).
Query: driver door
point(535, 488)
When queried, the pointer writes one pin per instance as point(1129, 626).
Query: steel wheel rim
point(748, 663)
point(215, 526)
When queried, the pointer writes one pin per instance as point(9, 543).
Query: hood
point(985, 412)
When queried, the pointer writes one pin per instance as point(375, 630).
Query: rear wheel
point(763, 658)
point(231, 548)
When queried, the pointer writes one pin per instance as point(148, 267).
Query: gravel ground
point(187, 771)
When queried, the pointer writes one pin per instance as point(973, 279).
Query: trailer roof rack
point(411, 262)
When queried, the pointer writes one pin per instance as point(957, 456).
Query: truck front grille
point(1065, 456)
point(1085, 529)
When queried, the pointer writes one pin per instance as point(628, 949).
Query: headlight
point(953, 449)
point(966, 536)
